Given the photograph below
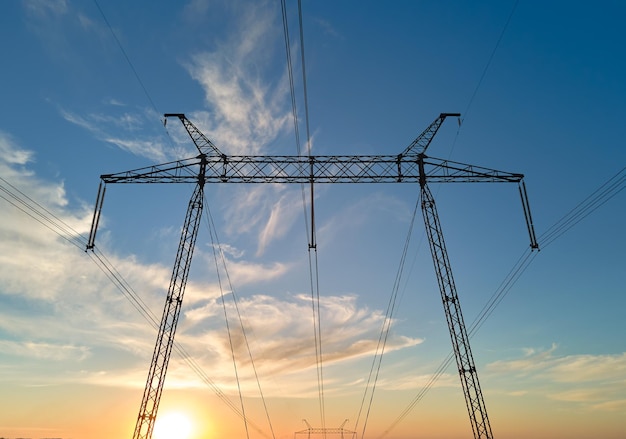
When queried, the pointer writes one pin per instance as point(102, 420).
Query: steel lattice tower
point(410, 166)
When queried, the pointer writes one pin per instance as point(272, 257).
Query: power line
point(294, 109)
point(218, 254)
point(482, 76)
point(312, 244)
point(317, 320)
point(135, 73)
point(127, 58)
point(230, 339)
point(385, 329)
point(604, 193)
point(304, 82)
point(493, 53)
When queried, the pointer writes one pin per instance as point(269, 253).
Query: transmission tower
point(410, 166)
point(332, 432)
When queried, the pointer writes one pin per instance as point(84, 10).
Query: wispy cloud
point(245, 110)
point(43, 8)
point(44, 351)
point(355, 213)
point(11, 154)
point(58, 305)
point(328, 28)
point(49, 287)
point(54, 21)
point(264, 212)
point(127, 130)
point(282, 216)
point(279, 333)
point(144, 148)
point(596, 381)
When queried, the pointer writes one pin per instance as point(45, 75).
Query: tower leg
point(458, 333)
point(169, 320)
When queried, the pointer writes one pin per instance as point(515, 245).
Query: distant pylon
point(336, 432)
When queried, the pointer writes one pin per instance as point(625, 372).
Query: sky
point(540, 88)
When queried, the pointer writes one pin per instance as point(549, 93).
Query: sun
point(173, 425)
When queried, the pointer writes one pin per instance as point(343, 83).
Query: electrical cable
point(604, 193)
point(312, 245)
point(127, 58)
point(294, 110)
point(42, 215)
point(218, 254)
point(482, 76)
point(163, 120)
point(493, 53)
point(304, 82)
point(386, 327)
point(230, 338)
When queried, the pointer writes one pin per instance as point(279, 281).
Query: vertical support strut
point(96, 216)
point(169, 320)
point(529, 219)
point(458, 333)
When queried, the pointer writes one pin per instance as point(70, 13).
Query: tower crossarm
point(320, 169)
point(447, 171)
point(326, 431)
point(180, 171)
point(316, 169)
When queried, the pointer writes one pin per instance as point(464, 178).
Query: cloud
point(129, 128)
point(144, 148)
point(55, 302)
point(566, 369)
point(267, 212)
point(280, 335)
point(58, 303)
point(43, 8)
point(44, 351)
point(587, 368)
point(245, 272)
point(245, 113)
point(11, 154)
point(611, 406)
point(328, 28)
point(196, 9)
point(596, 381)
point(53, 21)
point(283, 214)
point(531, 361)
point(354, 214)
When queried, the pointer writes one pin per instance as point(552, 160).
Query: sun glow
point(174, 425)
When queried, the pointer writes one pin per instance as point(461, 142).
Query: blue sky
point(84, 86)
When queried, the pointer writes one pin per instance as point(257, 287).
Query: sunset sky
point(541, 88)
